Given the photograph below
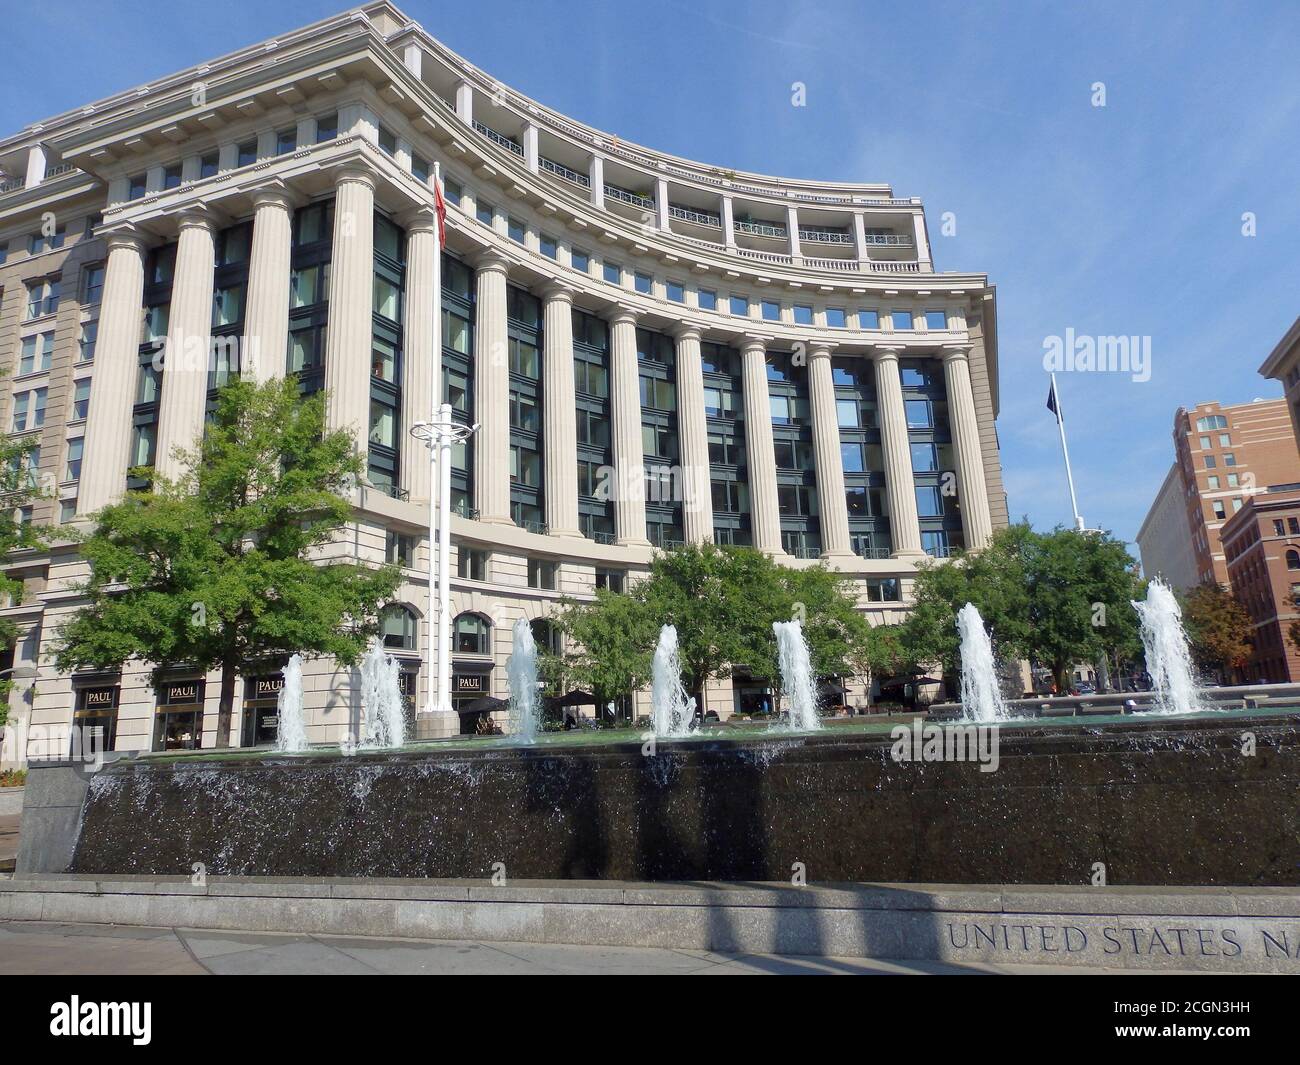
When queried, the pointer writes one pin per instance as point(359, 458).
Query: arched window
point(1293, 559)
point(397, 628)
point(546, 634)
point(471, 634)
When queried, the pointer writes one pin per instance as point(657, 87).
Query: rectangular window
point(1205, 443)
point(42, 298)
point(708, 300)
point(387, 141)
point(547, 245)
point(924, 458)
point(136, 186)
point(1229, 459)
point(75, 450)
point(92, 284)
point(1219, 511)
point(420, 167)
point(172, 176)
point(247, 153)
point(485, 212)
point(803, 315)
point(613, 273)
point(452, 190)
point(227, 306)
point(851, 458)
point(1232, 480)
point(770, 310)
point(868, 319)
point(388, 300)
point(929, 503)
point(936, 320)
point(901, 319)
point(918, 414)
point(86, 344)
point(35, 357)
point(383, 359)
point(580, 261)
point(740, 306)
point(286, 141)
point(835, 317)
point(209, 163)
point(1211, 482)
point(80, 399)
point(383, 424)
point(846, 413)
point(1225, 440)
point(541, 573)
point(401, 549)
point(676, 291)
point(327, 127)
point(67, 509)
point(1210, 462)
point(22, 401)
point(643, 283)
point(515, 230)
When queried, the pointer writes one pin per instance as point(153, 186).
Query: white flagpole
point(1069, 475)
point(439, 687)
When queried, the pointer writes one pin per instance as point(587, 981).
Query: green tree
point(1217, 625)
point(19, 490)
point(611, 647)
point(223, 567)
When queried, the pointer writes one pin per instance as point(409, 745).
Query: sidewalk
point(69, 949)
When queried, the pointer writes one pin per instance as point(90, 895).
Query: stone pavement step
point(33, 947)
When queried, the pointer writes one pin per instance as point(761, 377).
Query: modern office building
point(776, 361)
point(1221, 456)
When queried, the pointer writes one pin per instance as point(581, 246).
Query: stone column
point(559, 413)
point(693, 436)
point(189, 338)
point(904, 527)
point(760, 453)
point(972, 493)
point(826, 450)
point(629, 459)
point(266, 310)
point(421, 360)
point(352, 293)
point(117, 370)
point(491, 392)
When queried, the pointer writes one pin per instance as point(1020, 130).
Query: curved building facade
point(655, 351)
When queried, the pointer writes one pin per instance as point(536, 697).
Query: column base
point(846, 558)
point(436, 724)
point(568, 534)
point(909, 555)
point(633, 543)
point(494, 520)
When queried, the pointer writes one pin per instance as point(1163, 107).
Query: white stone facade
point(819, 390)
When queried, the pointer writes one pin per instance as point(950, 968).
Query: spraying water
point(291, 734)
point(981, 698)
point(525, 709)
point(383, 720)
point(1169, 660)
point(797, 675)
point(672, 712)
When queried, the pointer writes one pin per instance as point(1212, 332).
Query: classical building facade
point(775, 362)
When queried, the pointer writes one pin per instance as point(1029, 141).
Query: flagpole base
point(436, 724)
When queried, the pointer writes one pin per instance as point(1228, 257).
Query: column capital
point(489, 260)
point(275, 193)
point(357, 173)
point(419, 219)
point(882, 352)
point(196, 217)
point(821, 348)
point(621, 312)
point(558, 292)
point(955, 351)
point(750, 341)
point(126, 236)
point(686, 331)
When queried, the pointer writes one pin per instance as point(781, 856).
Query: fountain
point(291, 734)
point(1169, 660)
point(797, 675)
point(521, 671)
point(981, 698)
point(672, 712)
point(383, 717)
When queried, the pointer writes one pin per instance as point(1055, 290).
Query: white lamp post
point(439, 435)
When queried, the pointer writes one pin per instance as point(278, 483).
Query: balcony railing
point(628, 196)
point(846, 265)
point(890, 240)
point(539, 527)
point(941, 551)
point(465, 511)
point(825, 236)
point(762, 229)
point(499, 138)
point(560, 170)
point(599, 536)
point(700, 218)
point(805, 552)
point(12, 185)
point(57, 169)
point(863, 551)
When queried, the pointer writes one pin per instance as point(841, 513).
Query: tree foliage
point(226, 566)
point(1217, 626)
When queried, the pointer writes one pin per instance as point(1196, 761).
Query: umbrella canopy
point(484, 705)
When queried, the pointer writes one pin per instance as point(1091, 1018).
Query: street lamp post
point(439, 435)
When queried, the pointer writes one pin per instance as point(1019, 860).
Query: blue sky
point(1122, 220)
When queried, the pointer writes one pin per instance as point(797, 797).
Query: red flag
point(441, 208)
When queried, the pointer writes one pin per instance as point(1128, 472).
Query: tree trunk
point(226, 708)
